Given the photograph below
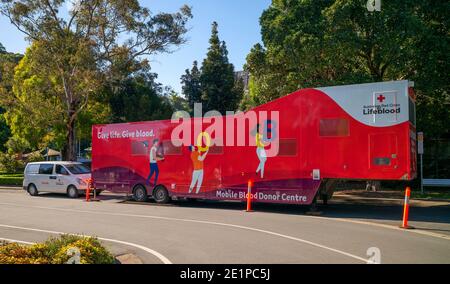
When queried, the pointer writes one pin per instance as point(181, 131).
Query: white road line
point(201, 222)
point(359, 222)
point(161, 257)
point(415, 231)
point(16, 241)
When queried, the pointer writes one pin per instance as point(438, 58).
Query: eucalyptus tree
point(83, 45)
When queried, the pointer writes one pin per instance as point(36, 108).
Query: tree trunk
point(69, 152)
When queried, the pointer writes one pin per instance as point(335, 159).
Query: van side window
point(32, 169)
point(60, 170)
point(46, 169)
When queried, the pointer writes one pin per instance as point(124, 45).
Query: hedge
point(11, 179)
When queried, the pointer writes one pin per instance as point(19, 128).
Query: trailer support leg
point(313, 211)
point(325, 199)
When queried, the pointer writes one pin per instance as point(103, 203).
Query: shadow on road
point(81, 197)
point(433, 214)
point(336, 209)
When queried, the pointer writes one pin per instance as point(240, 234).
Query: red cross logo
point(381, 99)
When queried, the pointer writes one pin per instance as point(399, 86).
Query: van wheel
point(72, 192)
point(161, 195)
point(140, 193)
point(32, 190)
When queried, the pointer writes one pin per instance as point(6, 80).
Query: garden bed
point(67, 249)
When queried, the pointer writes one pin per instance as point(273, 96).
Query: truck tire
point(32, 190)
point(140, 193)
point(161, 195)
point(72, 192)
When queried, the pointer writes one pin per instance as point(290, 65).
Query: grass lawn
point(11, 179)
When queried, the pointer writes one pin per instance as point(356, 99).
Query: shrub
point(10, 164)
point(7, 180)
point(35, 157)
point(56, 251)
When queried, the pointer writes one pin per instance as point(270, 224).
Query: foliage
point(214, 85)
point(27, 106)
point(5, 132)
point(8, 61)
point(333, 42)
point(177, 102)
point(217, 77)
point(99, 43)
point(191, 86)
point(35, 157)
point(140, 99)
point(55, 251)
point(10, 163)
point(11, 179)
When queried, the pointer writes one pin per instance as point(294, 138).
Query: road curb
point(384, 201)
point(12, 187)
point(128, 258)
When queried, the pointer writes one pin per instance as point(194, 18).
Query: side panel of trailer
point(349, 132)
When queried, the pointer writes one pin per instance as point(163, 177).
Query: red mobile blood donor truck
point(293, 152)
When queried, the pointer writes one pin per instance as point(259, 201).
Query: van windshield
point(78, 169)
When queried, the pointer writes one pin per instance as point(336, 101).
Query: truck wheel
point(140, 194)
point(32, 190)
point(161, 195)
point(72, 192)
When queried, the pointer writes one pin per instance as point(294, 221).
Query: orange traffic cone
point(406, 210)
point(249, 196)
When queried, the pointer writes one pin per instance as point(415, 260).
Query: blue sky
point(238, 26)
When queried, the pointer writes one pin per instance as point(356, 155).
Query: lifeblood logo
point(383, 104)
point(388, 109)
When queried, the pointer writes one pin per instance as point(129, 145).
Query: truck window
point(335, 127)
point(169, 149)
point(215, 150)
point(139, 148)
point(46, 169)
point(288, 148)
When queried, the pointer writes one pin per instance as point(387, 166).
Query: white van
point(70, 178)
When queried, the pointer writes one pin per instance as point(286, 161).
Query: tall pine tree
point(217, 77)
point(191, 86)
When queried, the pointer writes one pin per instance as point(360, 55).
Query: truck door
point(383, 151)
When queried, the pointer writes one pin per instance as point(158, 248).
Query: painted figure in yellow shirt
point(260, 151)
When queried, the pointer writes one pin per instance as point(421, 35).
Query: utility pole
point(420, 151)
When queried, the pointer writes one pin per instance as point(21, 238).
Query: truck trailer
point(291, 150)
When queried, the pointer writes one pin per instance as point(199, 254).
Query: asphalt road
point(223, 233)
